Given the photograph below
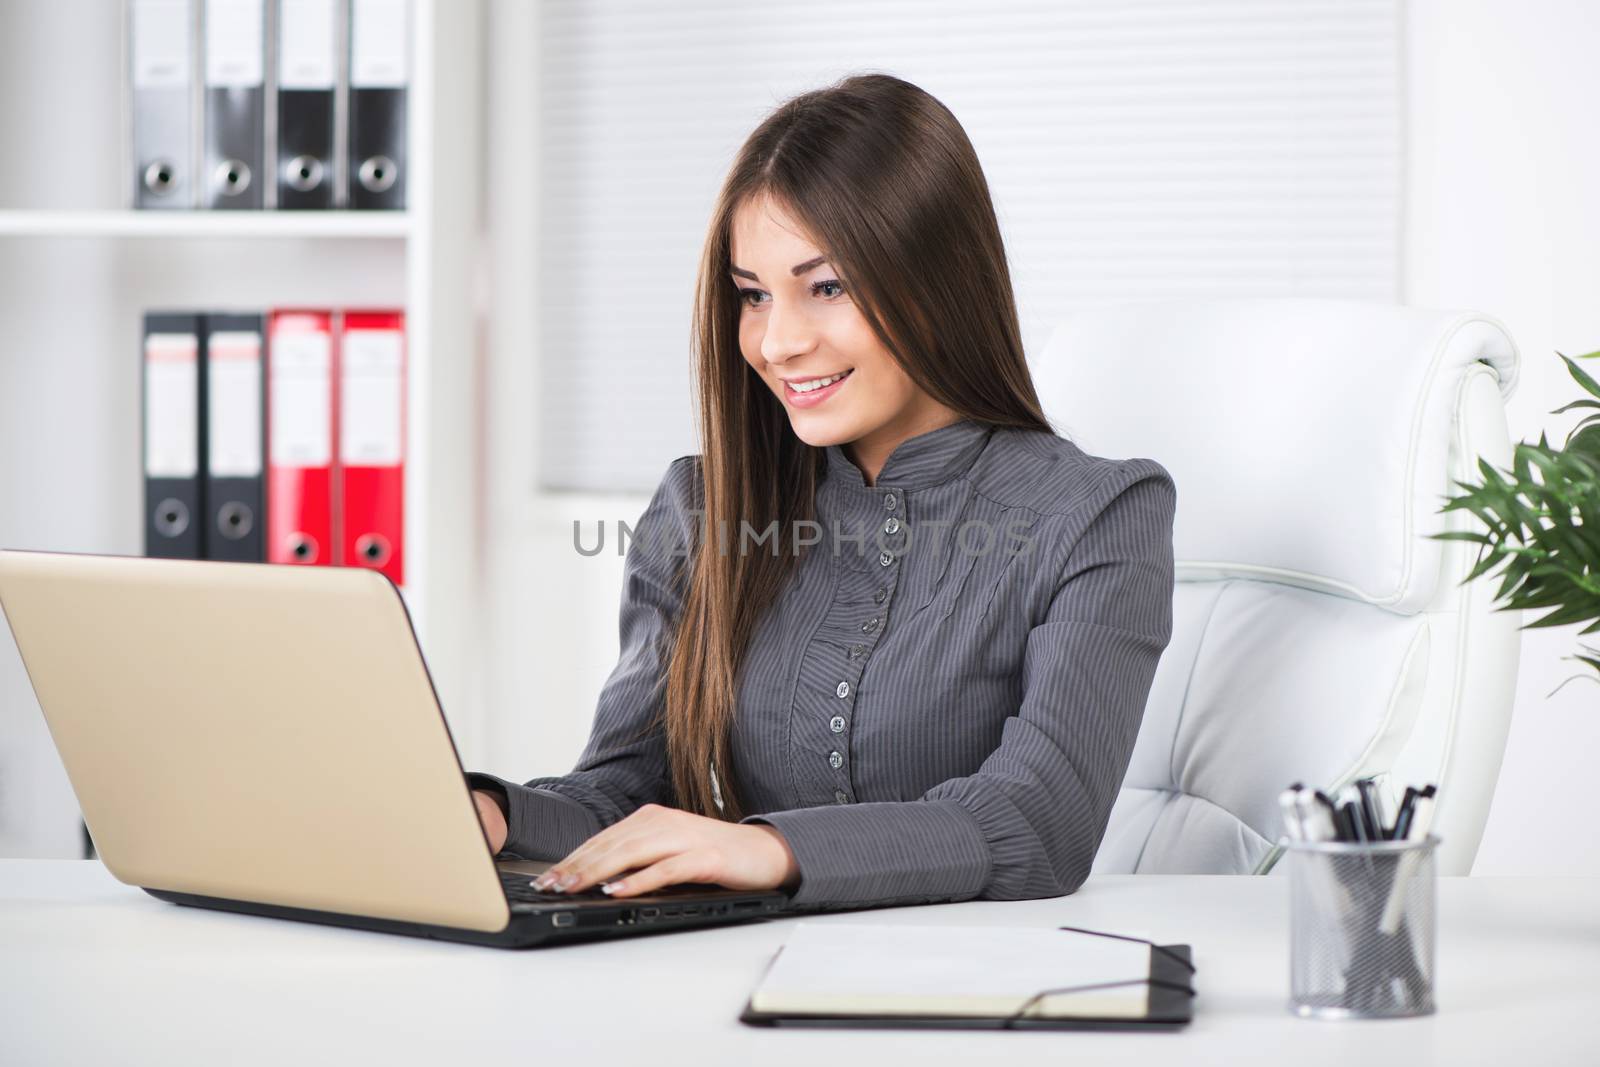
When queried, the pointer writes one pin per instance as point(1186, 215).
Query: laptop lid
point(253, 732)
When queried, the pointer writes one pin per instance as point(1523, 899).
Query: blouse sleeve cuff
point(883, 853)
point(541, 824)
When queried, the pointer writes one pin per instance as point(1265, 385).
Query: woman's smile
point(810, 393)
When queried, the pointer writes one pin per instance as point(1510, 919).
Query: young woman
point(937, 699)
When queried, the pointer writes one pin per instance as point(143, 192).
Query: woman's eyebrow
point(797, 270)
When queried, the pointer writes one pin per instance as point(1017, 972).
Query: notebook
point(985, 977)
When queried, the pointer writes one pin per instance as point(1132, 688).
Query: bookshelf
point(78, 268)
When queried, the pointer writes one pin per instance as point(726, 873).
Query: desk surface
point(95, 971)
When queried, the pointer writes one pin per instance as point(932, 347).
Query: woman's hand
point(664, 846)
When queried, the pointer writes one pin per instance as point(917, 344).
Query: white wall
point(550, 613)
point(1502, 217)
point(1137, 149)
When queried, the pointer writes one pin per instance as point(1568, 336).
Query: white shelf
point(383, 225)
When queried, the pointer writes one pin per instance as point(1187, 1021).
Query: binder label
point(234, 32)
point(370, 398)
point(378, 35)
point(172, 405)
point(301, 397)
point(307, 50)
point(161, 44)
point(233, 386)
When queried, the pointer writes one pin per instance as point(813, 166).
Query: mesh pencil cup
point(1362, 926)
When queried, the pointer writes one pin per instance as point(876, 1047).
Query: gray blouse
point(942, 702)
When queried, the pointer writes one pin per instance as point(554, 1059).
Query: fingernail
point(543, 881)
point(610, 887)
point(567, 882)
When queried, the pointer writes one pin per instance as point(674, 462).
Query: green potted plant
point(1542, 519)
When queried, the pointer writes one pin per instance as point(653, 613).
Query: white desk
point(95, 971)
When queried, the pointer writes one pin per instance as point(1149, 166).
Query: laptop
point(266, 739)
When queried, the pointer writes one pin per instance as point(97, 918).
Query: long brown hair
point(889, 187)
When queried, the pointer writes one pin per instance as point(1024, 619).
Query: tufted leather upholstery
point(1318, 633)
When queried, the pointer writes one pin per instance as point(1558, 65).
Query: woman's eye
point(817, 289)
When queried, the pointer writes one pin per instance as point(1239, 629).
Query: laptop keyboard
point(519, 887)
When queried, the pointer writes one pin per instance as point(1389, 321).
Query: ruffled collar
point(918, 462)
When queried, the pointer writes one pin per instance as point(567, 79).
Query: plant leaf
point(1585, 438)
point(1582, 377)
point(1576, 404)
point(1574, 678)
point(1463, 535)
point(1565, 616)
point(1483, 567)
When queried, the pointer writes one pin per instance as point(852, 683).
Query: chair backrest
point(1318, 634)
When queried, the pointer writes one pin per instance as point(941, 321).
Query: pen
point(1372, 806)
point(1317, 816)
point(1314, 813)
point(1344, 821)
point(1421, 817)
point(1396, 948)
point(1355, 822)
point(1403, 824)
point(1397, 832)
point(1369, 828)
point(1289, 801)
point(1325, 802)
point(1381, 793)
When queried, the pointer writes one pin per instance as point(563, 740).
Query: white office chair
point(1318, 634)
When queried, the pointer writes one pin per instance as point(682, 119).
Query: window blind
point(1134, 150)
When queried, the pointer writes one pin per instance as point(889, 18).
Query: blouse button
point(840, 797)
point(836, 724)
point(888, 501)
point(835, 760)
point(892, 526)
point(844, 689)
point(884, 559)
point(870, 625)
point(857, 651)
point(877, 598)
